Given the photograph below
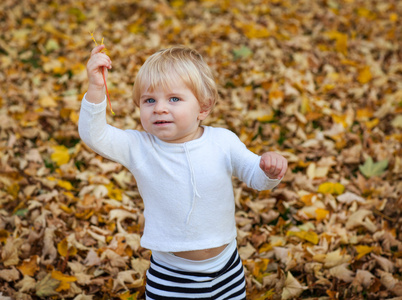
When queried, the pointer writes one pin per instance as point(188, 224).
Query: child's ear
point(203, 114)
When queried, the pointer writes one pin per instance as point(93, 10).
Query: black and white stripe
point(166, 283)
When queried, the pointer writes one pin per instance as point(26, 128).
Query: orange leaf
point(321, 214)
point(63, 249)
point(29, 267)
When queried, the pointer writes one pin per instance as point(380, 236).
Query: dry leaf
point(342, 272)
point(9, 274)
point(47, 286)
point(64, 280)
point(315, 81)
point(92, 259)
point(335, 258)
point(384, 263)
point(27, 284)
point(363, 278)
point(126, 277)
point(292, 288)
point(9, 254)
point(29, 267)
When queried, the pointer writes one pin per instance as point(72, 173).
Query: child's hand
point(95, 65)
point(274, 165)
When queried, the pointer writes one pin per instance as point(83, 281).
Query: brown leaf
point(9, 274)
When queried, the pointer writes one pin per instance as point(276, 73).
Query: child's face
point(172, 115)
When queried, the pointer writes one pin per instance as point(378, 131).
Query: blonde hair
point(177, 63)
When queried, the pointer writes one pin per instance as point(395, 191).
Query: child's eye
point(150, 100)
point(174, 99)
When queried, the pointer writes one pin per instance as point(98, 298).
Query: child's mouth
point(162, 122)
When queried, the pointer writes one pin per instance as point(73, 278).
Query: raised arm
point(108, 141)
point(96, 88)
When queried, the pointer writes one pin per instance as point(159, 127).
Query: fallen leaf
point(370, 168)
point(292, 288)
point(47, 286)
point(27, 284)
point(336, 258)
point(29, 267)
point(64, 280)
point(64, 249)
point(331, 188)
point(384, 263)
point(349, 197)
point(362, 250)
point(60, 155)
point(342, 272)
point(9, 274)
point(363, 278)
point(309, 236)
point(9, 254)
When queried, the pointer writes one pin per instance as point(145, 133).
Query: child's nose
point(160, 107)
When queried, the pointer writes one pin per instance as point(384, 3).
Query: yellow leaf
point(364, 114)
point(305, 105)
point(265, 118)
point(341, 41)
point(74, 117)
point(372, 123)
point(63, 249)
point(65, 280)
point(85, 215)
point(66, 209)
point(65, 184)
point(47, 101)
point(362, 250)
point(276, 94)
point(114, 193)
point(393, 17)
point(340, 120)
point(255, 31)
point(265, 248)
point(331, 188)
point(13, 190)
point(260, 268)
point(321, 214)
point(127, 296)
point(60, 155)
point(29, 267)
point(4, 234)
point(309, 236)
point(364, 75)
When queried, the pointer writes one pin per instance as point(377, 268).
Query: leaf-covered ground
point(318, 81)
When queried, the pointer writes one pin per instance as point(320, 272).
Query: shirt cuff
point(93, 107)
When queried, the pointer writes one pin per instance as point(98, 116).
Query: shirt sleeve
point(106, 140)
point(246, 166)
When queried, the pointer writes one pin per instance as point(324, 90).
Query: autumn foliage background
point(318, 81)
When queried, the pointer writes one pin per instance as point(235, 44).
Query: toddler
point(183, 171)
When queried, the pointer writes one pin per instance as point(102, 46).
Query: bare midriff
point(200, 254)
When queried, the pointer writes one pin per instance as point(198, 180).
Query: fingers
point(274, 165)
point(97, 49)
point(99, 59)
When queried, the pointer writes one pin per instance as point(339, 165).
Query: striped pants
point(167, 283)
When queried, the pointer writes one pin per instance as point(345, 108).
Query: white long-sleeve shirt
point(186, 188)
